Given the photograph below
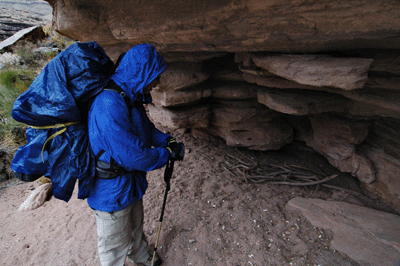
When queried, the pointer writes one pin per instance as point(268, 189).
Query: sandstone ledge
point(245, 70)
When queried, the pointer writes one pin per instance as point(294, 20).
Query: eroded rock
point(382, 147)
point(179, 76)
point(184, 117)
point(240, 115)
point(304, 102)
point(232, 26)
point(363, 234)
point(337, 138)
point(173, 98)
point(302, 58)
point(178, 85)
point(28, 34)
point(315, 70)
point(234, 91)
point(273, 81)
point(248, 124)
point(269, 136)
point(298, 102)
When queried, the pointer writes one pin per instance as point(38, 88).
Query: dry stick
point(289, 170)
point(231, 173)
point(245, 178)
point(245, 156)
point(248, 166)
point(261, 181)
point(305, 183)
point(310, 170)
point(245, 166)
point(352, 192)
point(300, 175)
point(308, 177)
point(295, 168)
point(233, 157)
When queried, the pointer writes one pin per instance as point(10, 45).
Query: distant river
point(21, 14)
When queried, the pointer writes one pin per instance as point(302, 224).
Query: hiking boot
point(157, 261)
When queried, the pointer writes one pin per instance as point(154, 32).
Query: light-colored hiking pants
point(120, 234)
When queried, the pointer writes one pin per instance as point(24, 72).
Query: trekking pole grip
point(168, 173)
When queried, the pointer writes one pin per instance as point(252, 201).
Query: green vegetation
point(17, 72)
point(20, 79)
point(13, 82)
point(61, 41)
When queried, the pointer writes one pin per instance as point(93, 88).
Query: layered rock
point(228, 25)
point(253, 111)
point(319, 71)
point(18, 15)
point(261, 74)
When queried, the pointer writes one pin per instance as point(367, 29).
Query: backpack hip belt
point(106, 170)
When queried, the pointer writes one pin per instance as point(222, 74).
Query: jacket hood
point(138, 68)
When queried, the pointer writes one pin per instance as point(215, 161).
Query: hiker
point(126, 145)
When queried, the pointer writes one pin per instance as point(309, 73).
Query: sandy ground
point(210, 219)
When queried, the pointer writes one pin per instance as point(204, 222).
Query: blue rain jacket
point(126, 134)
point(58, 95)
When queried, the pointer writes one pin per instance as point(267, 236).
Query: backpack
point(55, 107)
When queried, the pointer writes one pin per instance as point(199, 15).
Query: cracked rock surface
point(18, 15)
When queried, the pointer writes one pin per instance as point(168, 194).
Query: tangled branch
point(247, 170)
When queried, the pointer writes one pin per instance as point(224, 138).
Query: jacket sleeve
point(111, 130)
point(159, 138)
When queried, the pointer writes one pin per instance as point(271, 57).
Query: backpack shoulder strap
point(111, 170)
point(112, 86)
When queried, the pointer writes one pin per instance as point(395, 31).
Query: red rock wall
point(253, 71)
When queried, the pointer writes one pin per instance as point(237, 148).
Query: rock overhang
point(358, 42)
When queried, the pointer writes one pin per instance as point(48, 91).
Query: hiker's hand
point(176, 149)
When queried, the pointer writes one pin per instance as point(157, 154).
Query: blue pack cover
point(59, 95)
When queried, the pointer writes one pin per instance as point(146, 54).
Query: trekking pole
point(167, 177)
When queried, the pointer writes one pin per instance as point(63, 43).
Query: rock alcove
point(262, 74)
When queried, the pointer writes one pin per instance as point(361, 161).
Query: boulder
point(337, 138)
point(37, 197)
point(357, 165)
point(382, 146)
point(33, 33)
point(363, 234)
